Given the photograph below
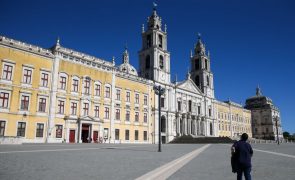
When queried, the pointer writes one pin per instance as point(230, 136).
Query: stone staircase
point(202, 140)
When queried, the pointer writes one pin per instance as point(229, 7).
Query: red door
point(95, 136)
point(72, 136)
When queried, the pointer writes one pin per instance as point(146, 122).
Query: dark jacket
point(243, 153)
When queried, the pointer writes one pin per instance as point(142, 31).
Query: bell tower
point(154, 59)
point(201, 69)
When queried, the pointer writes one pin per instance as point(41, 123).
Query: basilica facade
point(62, 95)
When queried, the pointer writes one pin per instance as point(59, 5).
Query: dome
point(125, 66)
point(128, 68)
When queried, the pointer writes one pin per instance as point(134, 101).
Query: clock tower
point(154, 59)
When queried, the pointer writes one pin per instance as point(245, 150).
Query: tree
point(286, 135)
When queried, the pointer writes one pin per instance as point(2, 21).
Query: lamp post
point(159, 91)
point(276, 118)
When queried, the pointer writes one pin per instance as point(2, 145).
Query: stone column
point(189, 125)
point(50, 137)
point(184, 124)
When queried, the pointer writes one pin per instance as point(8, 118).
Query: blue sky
point(250, 42)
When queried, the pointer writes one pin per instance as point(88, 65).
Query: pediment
point(87, 118)
point(189, 85)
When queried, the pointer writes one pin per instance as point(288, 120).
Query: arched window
point(161, 62)
point(206, 64)
point(197, 64)
point(147, 62)
point(197, 81)
point(208, 81)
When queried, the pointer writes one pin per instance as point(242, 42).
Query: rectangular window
point(145, 135)
point(179, 105)
point(210, 112)
point(136, 116)
point(127, 135)
point(75, 85)
point(73, 108)
point(96, 111)
point(145, 99)
point(58, 131)
point(44, 79)
point(136, 135)
point(4, 99)
point(24, 103)
point(63, 82)
point(2, 128)
point(190, 106)
point(117, 134)
point(42, 104)
point(39, 130)
point(106, 113)
point(97, 90)
point(118, 95)
point(87, 86)
point(117, 114)
point(86, 109)
point(21, 129)
point(199, 109)
point(127, 115)
point(108, 92)
point(27, 76)
point(145, 117)
point(162, 102)
point(61, 107)
point(127, 96)
point(7, 72)
point(137, 98)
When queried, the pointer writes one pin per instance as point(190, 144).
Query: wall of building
point(233, 120)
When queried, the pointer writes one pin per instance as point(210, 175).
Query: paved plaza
point(129, 161)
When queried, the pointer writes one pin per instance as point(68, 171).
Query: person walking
point(242, 153)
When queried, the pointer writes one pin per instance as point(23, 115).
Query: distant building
point(265, 117)
point(233, 119)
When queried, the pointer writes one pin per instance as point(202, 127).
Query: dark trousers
point(246, 172)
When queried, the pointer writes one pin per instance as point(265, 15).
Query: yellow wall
point(233, 118)
point(21, 58)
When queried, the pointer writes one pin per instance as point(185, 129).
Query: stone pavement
point(129, 161)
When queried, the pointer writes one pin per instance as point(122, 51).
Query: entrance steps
point(187, 139)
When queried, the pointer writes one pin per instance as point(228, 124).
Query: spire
point(142, 28)
point(258, 91)
point(154, 21)
point(126, 55)
point(57, 42)
point(188, 74)
point(200, 47)
point(113, 60)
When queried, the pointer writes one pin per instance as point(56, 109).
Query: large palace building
point(62, 95)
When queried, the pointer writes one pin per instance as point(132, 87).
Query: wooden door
point(72, 136)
